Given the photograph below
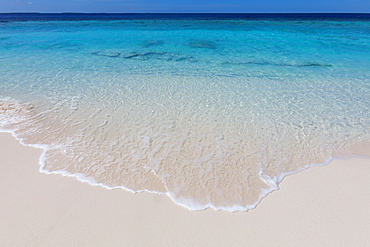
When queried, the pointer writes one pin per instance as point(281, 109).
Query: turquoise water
point(212, 112)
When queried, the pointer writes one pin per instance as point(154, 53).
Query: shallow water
point(213, 112)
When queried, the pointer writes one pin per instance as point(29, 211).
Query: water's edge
point(272, 182)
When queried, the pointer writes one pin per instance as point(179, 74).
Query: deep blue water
point(182, 16)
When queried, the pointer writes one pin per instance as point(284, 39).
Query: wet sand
point(322, 206)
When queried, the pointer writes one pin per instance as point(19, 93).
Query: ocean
point(213, 110)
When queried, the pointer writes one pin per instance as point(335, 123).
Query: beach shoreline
point(322, 206)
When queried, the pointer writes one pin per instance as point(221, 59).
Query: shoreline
point(273, 182)
point(323, 206)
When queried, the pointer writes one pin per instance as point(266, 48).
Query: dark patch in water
point(158, 55)
point(314, 65)
point(205, 44)
point(279, 64)
point(107, 53)
point(132, 55)
point(146, 56)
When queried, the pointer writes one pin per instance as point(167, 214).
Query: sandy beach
point(321, 206)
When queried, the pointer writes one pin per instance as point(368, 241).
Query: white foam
point(188, 203)
point(145, 138)
point(274, 182)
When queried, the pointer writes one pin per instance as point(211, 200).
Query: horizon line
point(71, 12)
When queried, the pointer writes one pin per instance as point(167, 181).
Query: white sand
point(322, 206)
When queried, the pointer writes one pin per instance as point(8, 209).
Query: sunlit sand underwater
point(212, 112)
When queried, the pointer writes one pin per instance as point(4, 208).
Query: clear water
point(212, 110)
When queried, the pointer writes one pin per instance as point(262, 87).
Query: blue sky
point(240, 6)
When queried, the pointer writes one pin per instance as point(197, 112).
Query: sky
point(187, 6)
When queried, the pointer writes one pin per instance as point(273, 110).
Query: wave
point(201, 181)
